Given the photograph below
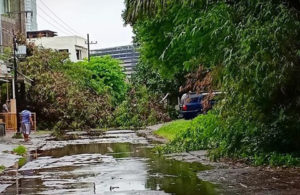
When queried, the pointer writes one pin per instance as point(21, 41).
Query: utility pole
point(89, 43)
point(15, 79)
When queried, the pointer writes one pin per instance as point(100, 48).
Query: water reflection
point(100, 168)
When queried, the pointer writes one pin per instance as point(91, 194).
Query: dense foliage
point(62, 101)
point(141, 108)
point(210, 132)
point(102, 75)
point(86, 95)
point(254, 45)
point(146, 75)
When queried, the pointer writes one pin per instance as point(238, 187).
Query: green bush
point(102, 75)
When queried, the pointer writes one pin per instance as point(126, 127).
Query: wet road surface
point(115, 163)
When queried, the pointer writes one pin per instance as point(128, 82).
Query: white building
point(76, 46)
point(31, 15)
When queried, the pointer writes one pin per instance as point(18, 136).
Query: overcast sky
point(100, 18)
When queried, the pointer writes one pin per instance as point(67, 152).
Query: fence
point(10, 120)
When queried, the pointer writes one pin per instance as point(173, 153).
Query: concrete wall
point(70, 43)
point(7, 25)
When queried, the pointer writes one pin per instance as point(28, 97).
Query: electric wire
point(63, 31)
point(55, 21)
point(67, 25)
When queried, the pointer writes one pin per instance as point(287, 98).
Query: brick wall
point(8, 26)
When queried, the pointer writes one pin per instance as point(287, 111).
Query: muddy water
point(108, 168)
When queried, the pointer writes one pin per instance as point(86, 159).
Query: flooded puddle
point(108, 168)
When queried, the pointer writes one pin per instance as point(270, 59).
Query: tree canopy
point(254, 45)
point(101, 74)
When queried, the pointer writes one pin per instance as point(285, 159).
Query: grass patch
point(20, 150)
point(42, 132)
point(2, 168)
point(276, 159)
point(172, 129)
point(233, 140)
point(17, 136)
point(22, 162)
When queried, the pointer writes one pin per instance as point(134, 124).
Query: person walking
point(5, 108)
point(26, 123)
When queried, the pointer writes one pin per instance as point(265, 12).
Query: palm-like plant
point(136, 9)
point(139, 8)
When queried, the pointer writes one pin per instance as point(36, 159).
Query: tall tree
point(254, 44)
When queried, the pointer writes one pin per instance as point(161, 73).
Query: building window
point(64, 50)
point(78, 54)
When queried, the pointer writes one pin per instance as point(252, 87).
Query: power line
point(53, 25)
point(65, 32)
point(59, 18)
point(62, 26)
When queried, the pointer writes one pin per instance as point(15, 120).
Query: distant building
point(76, 46)
point(31, 16)
point(12, 19)
point(40, 34)
point(127, 54)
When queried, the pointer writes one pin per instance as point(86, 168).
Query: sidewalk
point(10, 160)
point(7, 144)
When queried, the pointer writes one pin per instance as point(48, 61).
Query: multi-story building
point(74, 45)
point(127, 54)
point(31, 16)
point(12, 20)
